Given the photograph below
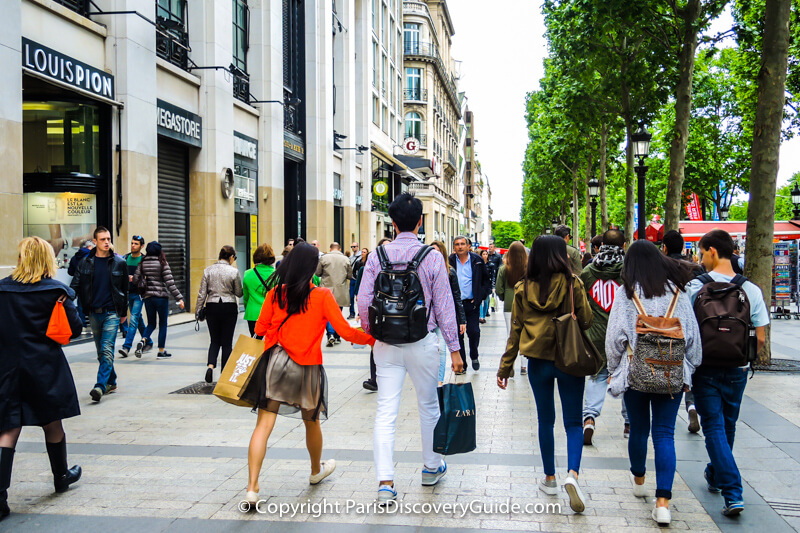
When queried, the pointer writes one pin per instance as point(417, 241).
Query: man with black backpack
point(404, 296)
point(732, 316)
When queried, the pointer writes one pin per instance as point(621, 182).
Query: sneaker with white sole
point(139, 348)
point(432, 477)
point(577, 501)
point(548, 486)
point(638, 490)
point(327, 469)
point(588, 431)
point(386, 495)
point(662, 516)
point(733, 508)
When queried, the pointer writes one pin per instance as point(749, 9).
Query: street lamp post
point(796, 202)
point(641, 149)
point(594, 190)
point(554, 224)
point(723, 212)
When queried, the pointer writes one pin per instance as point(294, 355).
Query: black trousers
point(372, 368)
point(251, 325)
point(472, 310)
point(221, 319)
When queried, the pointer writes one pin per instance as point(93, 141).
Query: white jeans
point(421, 360)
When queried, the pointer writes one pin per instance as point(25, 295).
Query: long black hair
point(653, 271)
point(548, 257)
point(292, 279)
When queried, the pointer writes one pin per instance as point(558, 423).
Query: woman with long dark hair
point(160, 283)
point(511, 272)
point(484, 310)
point(290, 379)
point(656, 280)
point(548, 290)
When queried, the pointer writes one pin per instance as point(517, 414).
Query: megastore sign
point(179, 124)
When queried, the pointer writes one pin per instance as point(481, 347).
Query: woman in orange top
point(290, 378)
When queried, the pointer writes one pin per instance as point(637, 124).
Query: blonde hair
point(37, 261)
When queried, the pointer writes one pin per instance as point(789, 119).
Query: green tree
point(505, 232)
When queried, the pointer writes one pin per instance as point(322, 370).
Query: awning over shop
point(420, 165)
point(692, 231)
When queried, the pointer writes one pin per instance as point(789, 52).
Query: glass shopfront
point(66, 165)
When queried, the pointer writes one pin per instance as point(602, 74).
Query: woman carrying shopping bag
point(543, 295)
point(291, 380)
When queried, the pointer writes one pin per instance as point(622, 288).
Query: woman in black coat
point(36, 385)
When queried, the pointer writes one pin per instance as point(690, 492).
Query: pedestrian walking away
point(484, 309)
point(565, 232)
point(290, 379)
point(460, 316)
point(510, 273)
point(101, 284)
point(653, 283)
point(601, 279)
point(419, 358)
point(475, 285)
point(158, 285)
point(255, 285)
point(335, 272)
point(673, 246)
point(354, 258)
point(733, 317)
point(40, 390)
point(371, 384)
point(220, 287)
point(543, 294)
point(135, 303)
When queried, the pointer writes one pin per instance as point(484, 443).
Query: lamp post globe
point(796, 194)
point(723, 212)
point(594, 190)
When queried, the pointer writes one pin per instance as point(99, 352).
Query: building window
point(375, 57)
point(384, 120)
point(411, 38)
point(375, 22)
point(241, 43)
point(172, 37)
point(293, 63)
point(80, 7)
point(413, 125)
point(413, 84)
point(375, 110)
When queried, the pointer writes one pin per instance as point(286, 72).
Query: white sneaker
point(638, 490)
point(577, 502)
point(327, 469)
point(549, 487)
point(662, 516)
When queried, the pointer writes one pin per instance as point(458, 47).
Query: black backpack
point(398, 314)
point(723, 314)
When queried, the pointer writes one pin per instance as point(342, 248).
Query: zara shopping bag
point(239, 370)
point(455, 431)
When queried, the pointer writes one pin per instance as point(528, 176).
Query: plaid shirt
point(435, 281)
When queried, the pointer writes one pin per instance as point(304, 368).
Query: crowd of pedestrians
point(623, 298)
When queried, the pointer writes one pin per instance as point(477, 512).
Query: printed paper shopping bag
point(239, 370)
point(455, 431)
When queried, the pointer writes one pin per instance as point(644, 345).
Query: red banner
point(693, 208)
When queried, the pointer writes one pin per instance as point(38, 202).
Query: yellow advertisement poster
point(253, 234)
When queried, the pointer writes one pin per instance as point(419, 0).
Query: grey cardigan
point(221, 283)
point(621, 333)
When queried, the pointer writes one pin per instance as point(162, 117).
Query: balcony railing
point(241, 89)
point(80, 7)
point(429, 50)
point(416, 8)
point(451, 158)
point(174, 49)
point(416, 94)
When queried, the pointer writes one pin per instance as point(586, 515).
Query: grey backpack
point(656, 365)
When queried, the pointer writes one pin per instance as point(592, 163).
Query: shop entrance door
point(173, 213)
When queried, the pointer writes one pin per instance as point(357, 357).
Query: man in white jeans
point(419, 359)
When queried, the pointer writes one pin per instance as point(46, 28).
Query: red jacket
point(301, 335)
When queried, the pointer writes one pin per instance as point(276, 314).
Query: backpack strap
point(264, 283)
point(638, 303)
point(705, 278)
point(738, 280)
point(421, 254)
point(672, 304)
point(383, 258)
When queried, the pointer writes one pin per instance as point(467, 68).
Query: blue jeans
point(595, 397)
point(330, 331)
point(543, 376)
point(136, 322)
point(665, 411)
point(104, 330)
point(353, 297)
point(156, 307)
point(718, 397)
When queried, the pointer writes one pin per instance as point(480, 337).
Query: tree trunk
point(588, 214)
point(575, 217)
point(630, 190)
point(603, 192)
point(765, 150)
point(683, 108)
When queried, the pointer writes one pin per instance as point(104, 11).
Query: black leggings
point(221, 319)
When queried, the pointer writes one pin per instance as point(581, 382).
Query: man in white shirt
point(718, 391)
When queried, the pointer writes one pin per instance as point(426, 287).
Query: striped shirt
point(435, 281)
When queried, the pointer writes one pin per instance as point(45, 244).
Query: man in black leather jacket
point(101, 283)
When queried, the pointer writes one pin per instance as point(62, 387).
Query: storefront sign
point(380, 188)
point(410, 145)
point(693, 208)
point(57, 66)
point(294, 148)
point(338, 194)
point(245, 146)
point(179, 124)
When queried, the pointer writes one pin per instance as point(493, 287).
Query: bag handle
point(572, 298)
point(672, 304)
point(264, 283)
point(61, 299)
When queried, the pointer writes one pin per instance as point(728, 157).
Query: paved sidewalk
point(155, 461)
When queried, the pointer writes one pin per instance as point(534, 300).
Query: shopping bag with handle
point(58, 328)
point(455, 431)
point(239, 370)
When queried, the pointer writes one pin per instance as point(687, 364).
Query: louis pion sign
point(59, 67)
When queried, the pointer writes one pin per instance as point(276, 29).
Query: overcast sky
point(501, 53)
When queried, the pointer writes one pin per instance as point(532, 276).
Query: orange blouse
point(301, 335)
